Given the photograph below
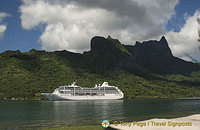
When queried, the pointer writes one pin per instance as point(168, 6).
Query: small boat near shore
point(75, 92)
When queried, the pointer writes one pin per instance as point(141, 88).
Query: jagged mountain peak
point(107, 45)
point(151, 48)
point(109, 37)
point(163, 39)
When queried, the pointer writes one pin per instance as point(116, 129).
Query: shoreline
point(139, 125)
point(20, 99)
point(191, 122)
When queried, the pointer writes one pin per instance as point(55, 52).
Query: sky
point(70, 24)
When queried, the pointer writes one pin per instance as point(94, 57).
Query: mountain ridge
point(152, 55)
point(146, 69)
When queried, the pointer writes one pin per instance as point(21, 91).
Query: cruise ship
point(74, 92)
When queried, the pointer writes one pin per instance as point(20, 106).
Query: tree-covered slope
point(146, 69)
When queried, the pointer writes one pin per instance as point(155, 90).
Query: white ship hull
point(74, 92)
point(53, 97)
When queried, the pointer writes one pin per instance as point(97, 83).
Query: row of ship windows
point(72, 88)
point(100, 92)
point(89, 91)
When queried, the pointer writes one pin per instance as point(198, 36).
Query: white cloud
point(4, 15)
point(185, 41)
point(70, 24)
point(2, 31)
point(3, 27)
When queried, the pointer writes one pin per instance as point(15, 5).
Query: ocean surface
point(39, 114)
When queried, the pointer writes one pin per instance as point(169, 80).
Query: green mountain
point(147, 69)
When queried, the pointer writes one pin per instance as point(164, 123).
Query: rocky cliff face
point(153, 55)
point(148, 49)
point(107, 45)
point(151, 49)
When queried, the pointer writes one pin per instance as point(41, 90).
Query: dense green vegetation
point(26, 75)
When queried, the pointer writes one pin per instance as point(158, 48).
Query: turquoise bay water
point(37, 114)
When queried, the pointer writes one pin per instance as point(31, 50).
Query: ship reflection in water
point(88, 112)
